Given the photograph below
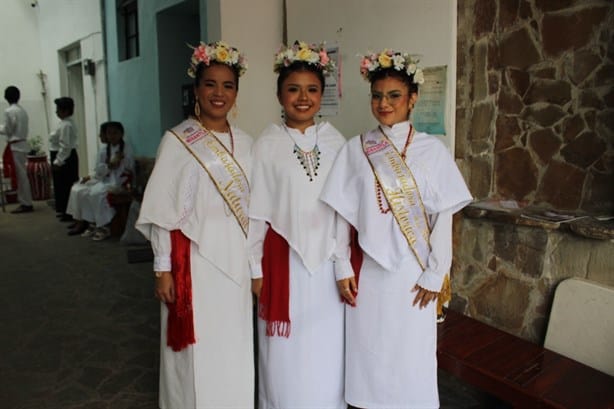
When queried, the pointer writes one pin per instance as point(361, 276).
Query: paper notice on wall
point(332, 90)
point(429, 113)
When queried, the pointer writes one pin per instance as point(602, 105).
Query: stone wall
point(535, 123)
point(535, 101)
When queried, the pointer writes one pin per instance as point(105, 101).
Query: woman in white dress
point(398, 188)
point(194, 212)
point(88, 203)
point(292, 244)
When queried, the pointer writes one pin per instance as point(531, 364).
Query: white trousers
point(24, 192)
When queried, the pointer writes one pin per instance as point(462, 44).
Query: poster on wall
point(332, 90)
point(429, 113)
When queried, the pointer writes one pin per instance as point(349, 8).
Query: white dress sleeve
point(341, 255)
point(440, 258)
point(255, 246)
point(161, 246)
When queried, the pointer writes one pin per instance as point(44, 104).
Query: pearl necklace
point(378, 188)
point(309, 160)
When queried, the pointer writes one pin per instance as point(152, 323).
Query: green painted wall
point(134, 86)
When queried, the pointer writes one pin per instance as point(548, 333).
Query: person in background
point(88, 203)
point(194, 212)
point(15, 127)
point(398, 188)
point(63, 152)
point(293, 243)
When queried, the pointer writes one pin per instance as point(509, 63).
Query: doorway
point(72, 86)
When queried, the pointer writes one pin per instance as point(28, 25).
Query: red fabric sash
point(180, 329)
point(274, 302)
point(356, 255)
point(8, 162)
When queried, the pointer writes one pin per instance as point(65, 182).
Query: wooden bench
point(121, 203)
point(518, 371)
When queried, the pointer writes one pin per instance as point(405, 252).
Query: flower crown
point(219, 52)
point(311, 54)
point(371, 63)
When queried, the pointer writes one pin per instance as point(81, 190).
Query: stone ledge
point(586, 225)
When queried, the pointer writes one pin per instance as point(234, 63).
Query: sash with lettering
point(225, 173)
point(231, 183)
point(401, 192)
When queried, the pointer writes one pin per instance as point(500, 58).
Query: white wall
point(256, 31)
point(20, 57)
point(423, 27)
point(65, 23)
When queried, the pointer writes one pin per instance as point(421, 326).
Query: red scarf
point(9, 166)
point(275, 310)
point(180, 329)
point(274, 301)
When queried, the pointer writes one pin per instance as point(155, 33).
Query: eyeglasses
point(393, 97)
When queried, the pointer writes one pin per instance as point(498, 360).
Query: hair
point(299, 66)
point(65, 104)
point(104, 127)
point(12, 94)
point(402, 76)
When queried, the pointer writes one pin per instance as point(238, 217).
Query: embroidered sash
point(401, 192)
point(223, 169)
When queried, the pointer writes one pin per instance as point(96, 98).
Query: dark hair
point(201, 67)
point(12, 94)
point(104, 127)
point(65, 104)
point(298, 66)
point(402, 76)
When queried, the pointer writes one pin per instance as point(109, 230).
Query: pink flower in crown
point(200, 54)
point(324, 59)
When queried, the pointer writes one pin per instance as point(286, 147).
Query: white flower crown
point(219, 52)
point(312, 54)
point(371, 63)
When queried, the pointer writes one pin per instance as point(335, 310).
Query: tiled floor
point(80, 324)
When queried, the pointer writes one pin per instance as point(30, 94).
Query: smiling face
point(300, 95)
point(216, 92)
point(391, 100)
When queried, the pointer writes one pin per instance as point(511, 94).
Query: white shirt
point(283, 196)
point(63, 140)
point(15, 127)
point(350, 189)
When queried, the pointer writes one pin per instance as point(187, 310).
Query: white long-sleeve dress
point(88, 201)
point(305, 369)
point(390, 344)
point(218, 370)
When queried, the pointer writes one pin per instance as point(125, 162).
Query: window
point(127, 29)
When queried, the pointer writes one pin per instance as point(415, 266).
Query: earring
point(197, 109)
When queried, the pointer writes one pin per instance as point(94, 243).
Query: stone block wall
point(535, 124)
point(535, 101)
point(506, 274)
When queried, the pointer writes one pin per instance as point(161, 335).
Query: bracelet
point(158, 274)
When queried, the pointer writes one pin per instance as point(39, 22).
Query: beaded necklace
point(309, 160)
point(378, 188)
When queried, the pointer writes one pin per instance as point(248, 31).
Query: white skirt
point(218, 370)
point(391, 345)
point(305, 370)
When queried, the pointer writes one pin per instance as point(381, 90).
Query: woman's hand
point(424, 296)
point(165, 287)
point(348, 290)
point(85, 179)
point(256, 286)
